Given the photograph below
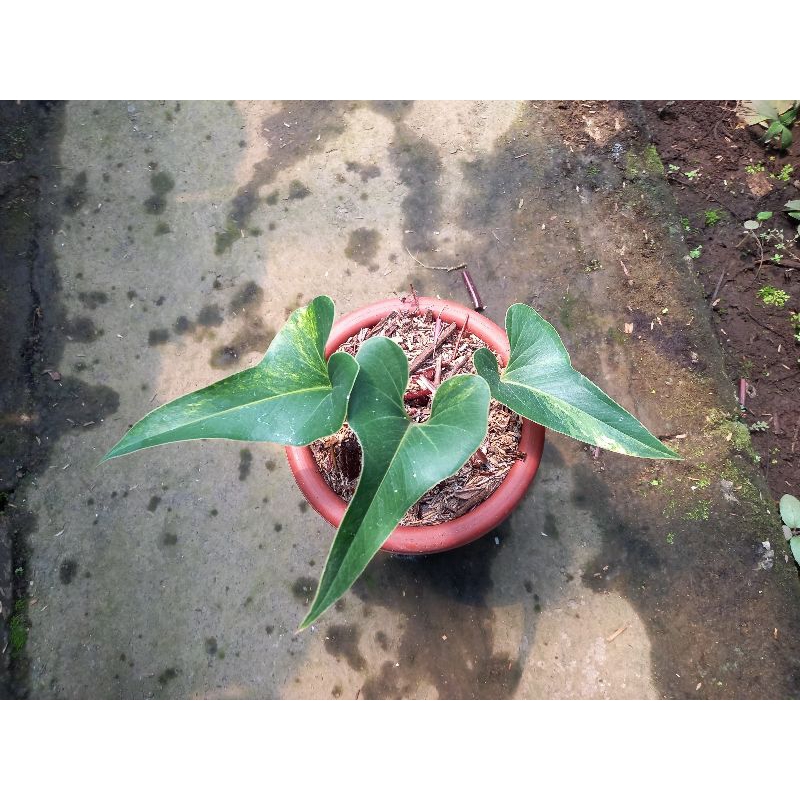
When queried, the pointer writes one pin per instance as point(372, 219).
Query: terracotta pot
point(417, 539)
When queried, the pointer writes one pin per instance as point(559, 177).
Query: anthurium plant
point(295, 396)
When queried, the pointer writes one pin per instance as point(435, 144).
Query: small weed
point(778, 123)
point(790, 516)
point(794, 320)
point(592, 266)
point(17, 629)
point(759, 427)
point(672, 168)
point(784, 175)
point(670, 538)
point(746, 368)
point(771, 296)
point(753, 169)
point(692, 174)
point(701, 511)
point(712, 217)
point(685, 224)
point(695, 253)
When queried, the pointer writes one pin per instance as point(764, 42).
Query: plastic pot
point(419, 539)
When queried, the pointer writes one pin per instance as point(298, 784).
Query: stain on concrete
point(255, 336)
point(419, 167)
point(76, 193)
point(298, 190)
point(312, 124)
point(169, 539)
point(183, 325)
point(362, 246)
point(341, 641)
point(245, 463)
point(67, 570)
point(169, 674)
point(157, 336)
point(251, 294)
point(154, 503)
point(211, 645)
point(365, 171)
point(210, 316)
point(92, 299)
point(162, 184)
point(81, 329)
point(304, 589)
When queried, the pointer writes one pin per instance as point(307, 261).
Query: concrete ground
point(173, 239)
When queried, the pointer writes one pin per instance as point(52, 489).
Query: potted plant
point(310, 382)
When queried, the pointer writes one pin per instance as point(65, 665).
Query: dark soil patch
point(722, 175)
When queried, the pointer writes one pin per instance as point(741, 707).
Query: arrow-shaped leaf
point(539, 383)
point(790, 511)
point(794, 544)
point(291, 397)
point(401, 459)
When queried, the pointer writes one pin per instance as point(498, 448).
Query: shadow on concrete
point(37, 404)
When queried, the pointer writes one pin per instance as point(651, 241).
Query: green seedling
point(771, 296)
point(695, 252)
point(777, 116)
point(692, 174)
point(754, 169)
point(712, 217)
point(784, 175)
point(759, 427)
point(296, 395)
point(685, 224)
point(794, 320)
point(790, 514)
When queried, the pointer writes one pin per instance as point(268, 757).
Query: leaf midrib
point(253, 403)
point(564, 403)
point(410, 425)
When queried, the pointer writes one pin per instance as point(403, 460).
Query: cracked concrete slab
point(174, 240)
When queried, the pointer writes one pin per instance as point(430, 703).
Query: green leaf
point(291, 397)
point(762, 215)
point(794, 544)
point(774, 129)
point(786, 138)
point(790, 510)
point(540, 384)
point(751, 225)
point(793, 205)
point(401, 459)
point(788, 117)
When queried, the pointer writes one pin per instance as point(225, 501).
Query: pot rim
point(417, 539)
